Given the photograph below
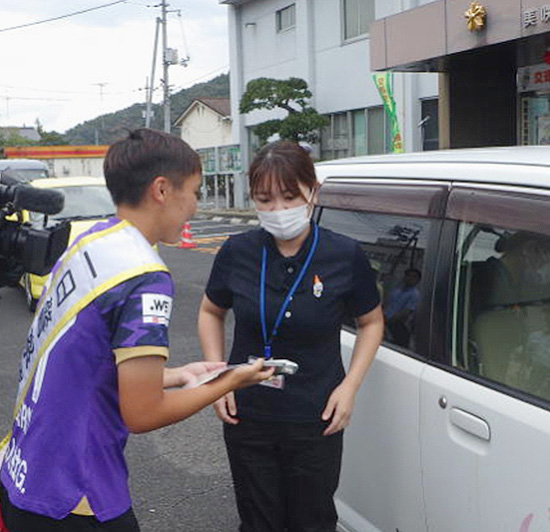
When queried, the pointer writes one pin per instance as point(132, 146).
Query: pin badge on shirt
point(317, 286)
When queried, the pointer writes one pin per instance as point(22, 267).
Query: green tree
point(292, 95)
point(49, 138)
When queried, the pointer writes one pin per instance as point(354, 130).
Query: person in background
point(290, 284)
point(94, 365)
point(401, 309)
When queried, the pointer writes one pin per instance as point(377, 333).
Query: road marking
point(221, 234)
point(211, 239)
point(209, 251)
point(220, 230)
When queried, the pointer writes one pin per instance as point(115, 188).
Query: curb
point(232, 216)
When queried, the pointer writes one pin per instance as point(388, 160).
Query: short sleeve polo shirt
point(339, 283)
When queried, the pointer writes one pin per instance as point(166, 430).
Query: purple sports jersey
point(68, 438)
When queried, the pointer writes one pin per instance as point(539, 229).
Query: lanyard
point(288, 298)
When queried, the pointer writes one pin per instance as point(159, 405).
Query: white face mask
point(286, 224)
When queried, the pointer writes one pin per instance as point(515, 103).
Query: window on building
point(326, 142)
point(378, 133)
point(340, 135)
point(429, 125)
point(359, 132)
point(535, 119)
point(253, 143)
point(286, 18)
point(357, 16)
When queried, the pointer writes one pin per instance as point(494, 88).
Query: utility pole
point(100, 85)
point(150, 92)
point(169, 57)
point(165, 64)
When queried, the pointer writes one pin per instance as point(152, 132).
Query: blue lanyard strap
point(290, 294)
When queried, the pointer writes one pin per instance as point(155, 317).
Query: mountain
point(108, 128)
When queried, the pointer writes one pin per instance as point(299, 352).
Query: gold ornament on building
point(476, 15)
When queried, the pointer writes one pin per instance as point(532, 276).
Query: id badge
point(277, 382)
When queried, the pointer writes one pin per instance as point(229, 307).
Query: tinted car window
point(395, 246)
point(501, 327)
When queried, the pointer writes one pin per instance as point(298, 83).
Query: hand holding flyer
point(282, 366)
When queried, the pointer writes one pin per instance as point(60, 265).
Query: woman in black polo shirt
point(290, 284)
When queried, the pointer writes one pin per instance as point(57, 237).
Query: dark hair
point(283, 163)
point(415, 271)
point(132, 164)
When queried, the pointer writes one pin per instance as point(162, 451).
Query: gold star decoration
point(476, 15)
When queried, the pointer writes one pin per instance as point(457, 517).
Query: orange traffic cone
point(186, 239)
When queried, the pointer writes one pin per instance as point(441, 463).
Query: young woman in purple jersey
point(94, 366)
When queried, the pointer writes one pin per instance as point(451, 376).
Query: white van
point(451, 428)
point(22, 170)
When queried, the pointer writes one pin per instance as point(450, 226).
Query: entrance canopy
point(426, 38)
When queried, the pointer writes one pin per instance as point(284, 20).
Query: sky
point(66, 71)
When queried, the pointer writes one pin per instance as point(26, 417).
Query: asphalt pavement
point(179, 475)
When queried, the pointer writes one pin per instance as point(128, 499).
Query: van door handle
point(469, 423)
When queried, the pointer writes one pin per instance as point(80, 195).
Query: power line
point(35, 89)
point(41, 99)
point(201, 77)
point(61, 16)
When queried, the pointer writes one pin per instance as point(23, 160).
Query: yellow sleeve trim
point(126, 353)
point(83, 507)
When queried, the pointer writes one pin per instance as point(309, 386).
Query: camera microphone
point(38, 200)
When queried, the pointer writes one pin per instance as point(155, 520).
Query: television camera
point(24, 246)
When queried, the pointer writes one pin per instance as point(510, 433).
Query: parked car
point(451, 427)
point(22, 170)
point(87, 201)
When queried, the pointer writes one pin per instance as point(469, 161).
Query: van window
point(395, 246)
point(501, 300)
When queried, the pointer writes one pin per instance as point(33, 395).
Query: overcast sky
point(73, 69)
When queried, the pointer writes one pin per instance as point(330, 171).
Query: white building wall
point(203, 128)
point(337, 72)
point(75, 167)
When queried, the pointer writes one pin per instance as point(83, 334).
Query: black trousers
point(16, 520)
point(285, 475)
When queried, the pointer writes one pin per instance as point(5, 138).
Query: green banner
point(383, 81)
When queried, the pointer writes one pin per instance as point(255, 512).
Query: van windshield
point(25, 175)
point(82, 202)
point(29, 174)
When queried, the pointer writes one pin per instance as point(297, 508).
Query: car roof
point(76, 181)
point(22, 164)
point(524, 165)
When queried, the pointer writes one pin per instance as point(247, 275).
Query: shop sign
point(534, 78)
point(534, 16)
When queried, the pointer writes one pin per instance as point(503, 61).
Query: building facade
point(493, 58)
point(206, 123)
point(327, 43)
point(207, 126)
